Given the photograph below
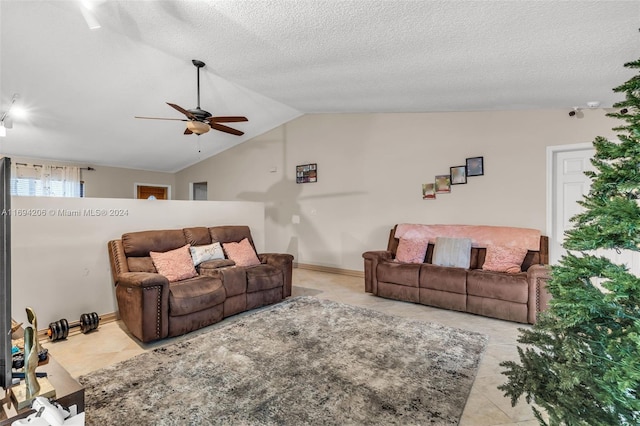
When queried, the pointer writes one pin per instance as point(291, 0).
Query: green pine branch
point(580, 364)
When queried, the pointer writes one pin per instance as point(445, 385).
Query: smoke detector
point(593, 104)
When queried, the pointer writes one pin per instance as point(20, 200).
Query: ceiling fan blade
point(188, 132)
point(158, 118)
point(226, 129)
point(226, 119)
point(182, 110)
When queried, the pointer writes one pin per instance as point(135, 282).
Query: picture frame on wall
point(307, 173)
point(428, 191)
point(458, 175)
point(475, 166)
point(443, 184)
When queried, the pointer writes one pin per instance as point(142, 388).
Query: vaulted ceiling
point(274, 60)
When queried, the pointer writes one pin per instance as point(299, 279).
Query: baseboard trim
point(339, 271)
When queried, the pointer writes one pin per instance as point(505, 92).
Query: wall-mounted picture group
point(458, 175)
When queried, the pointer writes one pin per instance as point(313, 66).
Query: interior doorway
point(199, 191)
point(153, 192)
point(566, 165)
point(567, 184)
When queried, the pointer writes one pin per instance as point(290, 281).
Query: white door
point(569, 184)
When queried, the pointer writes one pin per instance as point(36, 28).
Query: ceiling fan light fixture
point(198, 127)
point(200, 121)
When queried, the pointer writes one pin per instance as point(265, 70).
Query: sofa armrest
point(141, 279)
point(117, 258)
point(378, 255)
point(539, 296)
point(284, 262)
point(371, 260)
point(143, 304)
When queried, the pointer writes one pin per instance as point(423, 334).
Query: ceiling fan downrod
point(198, 64)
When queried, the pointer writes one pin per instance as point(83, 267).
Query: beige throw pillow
point(242, 253)
point(411, 250)
point(201, 254)
point(504, 259)
point(175, 264)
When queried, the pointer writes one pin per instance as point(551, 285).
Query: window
point(45, 181)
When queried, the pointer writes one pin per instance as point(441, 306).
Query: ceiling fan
point(200, 121)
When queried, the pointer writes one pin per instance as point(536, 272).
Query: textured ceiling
point(273, 60)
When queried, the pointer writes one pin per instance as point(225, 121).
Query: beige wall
point(111, 182)
point(370, 171)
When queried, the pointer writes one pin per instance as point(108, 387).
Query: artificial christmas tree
point(582, 362)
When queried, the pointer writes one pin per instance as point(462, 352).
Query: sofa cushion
point(242, 253)
point(210, 265)
point(175, 264)
point(504, 259)
point(234, 280)
point(141, 264)
point(197, 235)
point(201, 254)
point(143, 242)
point(454, 252)
point(399, 292)
point(411, 250)
point(195, 294)
point(498, 285)
point(453, 280)
point(227, 234)
point(406, 274)
point(263, 277)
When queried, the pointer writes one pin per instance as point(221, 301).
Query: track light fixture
point(624, 111)
point(5, 115)
point(574, 111)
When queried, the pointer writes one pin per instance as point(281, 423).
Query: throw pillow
point(411, 250)
point(455, 252)
point(242, 253)
point(175, 264)
point(201, 254)
point(504, 259)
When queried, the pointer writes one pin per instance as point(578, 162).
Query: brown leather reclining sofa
point(153, 308)
point(515, 297)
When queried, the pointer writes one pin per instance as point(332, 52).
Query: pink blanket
point(481, 236)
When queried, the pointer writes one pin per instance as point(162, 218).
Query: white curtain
point(45, 180)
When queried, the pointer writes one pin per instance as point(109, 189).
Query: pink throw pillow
point(175, 264)
point(411, 250)
point(242, 253)
point(504, 259)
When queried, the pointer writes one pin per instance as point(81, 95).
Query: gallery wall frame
point(307, 173)
point(475, 166)
point(458, 175)
point(428, 191)
point(443, 184)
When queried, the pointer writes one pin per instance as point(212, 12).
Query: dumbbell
point(59, 330)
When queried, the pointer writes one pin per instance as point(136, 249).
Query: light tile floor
point(486, 406)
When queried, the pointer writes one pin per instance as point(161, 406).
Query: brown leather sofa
point(515, 297)
point(153, 308)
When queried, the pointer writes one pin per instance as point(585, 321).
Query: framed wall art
point(475, 166)
point(428, 191)
point(443, 184)
point(307, 173)
point(458, 175)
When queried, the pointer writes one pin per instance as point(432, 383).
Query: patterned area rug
point(302, 361)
